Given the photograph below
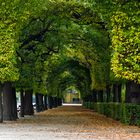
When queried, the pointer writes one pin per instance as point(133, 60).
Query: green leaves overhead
point(54, 28)
point(67, 73)
point(49, 43)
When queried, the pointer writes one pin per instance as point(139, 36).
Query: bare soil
point(67, 123)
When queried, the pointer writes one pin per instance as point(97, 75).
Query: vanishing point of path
point(67, 123)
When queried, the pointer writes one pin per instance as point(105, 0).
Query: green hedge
point(126, 113)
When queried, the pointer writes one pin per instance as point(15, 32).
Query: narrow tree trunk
point(108, 93)
point(14, 104)
point(1, 105)
point(40, 100)
point(9, 104)
point(132, 92)
point(37, 103)
point(55, 102)
point(49, 105)
point(50, 102)
point(45, 102)
point(28, 106)
point(97, 95)
point(128, 92)
point(100, 96)
point(90, 98)
point(115, 92)
point(22, 103)
point(94, 96)
point(119, 92)
point(59, 102)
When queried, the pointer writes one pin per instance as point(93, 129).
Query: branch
point(36, 37)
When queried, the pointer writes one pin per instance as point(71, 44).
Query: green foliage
point(67, 73)
point(93, 51)
point(46, 27)
point(47, 34)
point(48, 30)
point(131, 114)
point(121, 20)
point(8, 41)
point(125, 41)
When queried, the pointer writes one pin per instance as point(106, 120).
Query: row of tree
point(47, 46)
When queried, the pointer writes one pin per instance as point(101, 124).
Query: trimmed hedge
point(126, 113)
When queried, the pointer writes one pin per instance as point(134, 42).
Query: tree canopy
point(50, 45)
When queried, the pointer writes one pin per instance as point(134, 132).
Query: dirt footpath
point(67, 123)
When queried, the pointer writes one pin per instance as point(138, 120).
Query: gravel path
point(67, 123)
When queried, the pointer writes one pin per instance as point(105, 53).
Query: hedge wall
point(126, 113)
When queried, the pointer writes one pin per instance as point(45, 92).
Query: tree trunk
point(107, 93)
point(28, 106)
point(114, 93)
point(37, 103)
point(59, 102)
point(94, 96)
point(45, 102)
point(21, 103)
point(132, 92)
point(55, 102)
point(40, 100)
point(100, 96)
point(117, 92)
point(9, 102)
point(1, 105)
point(90, 98)
point(50, 102)
point(14, 104)
point(128, 92)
